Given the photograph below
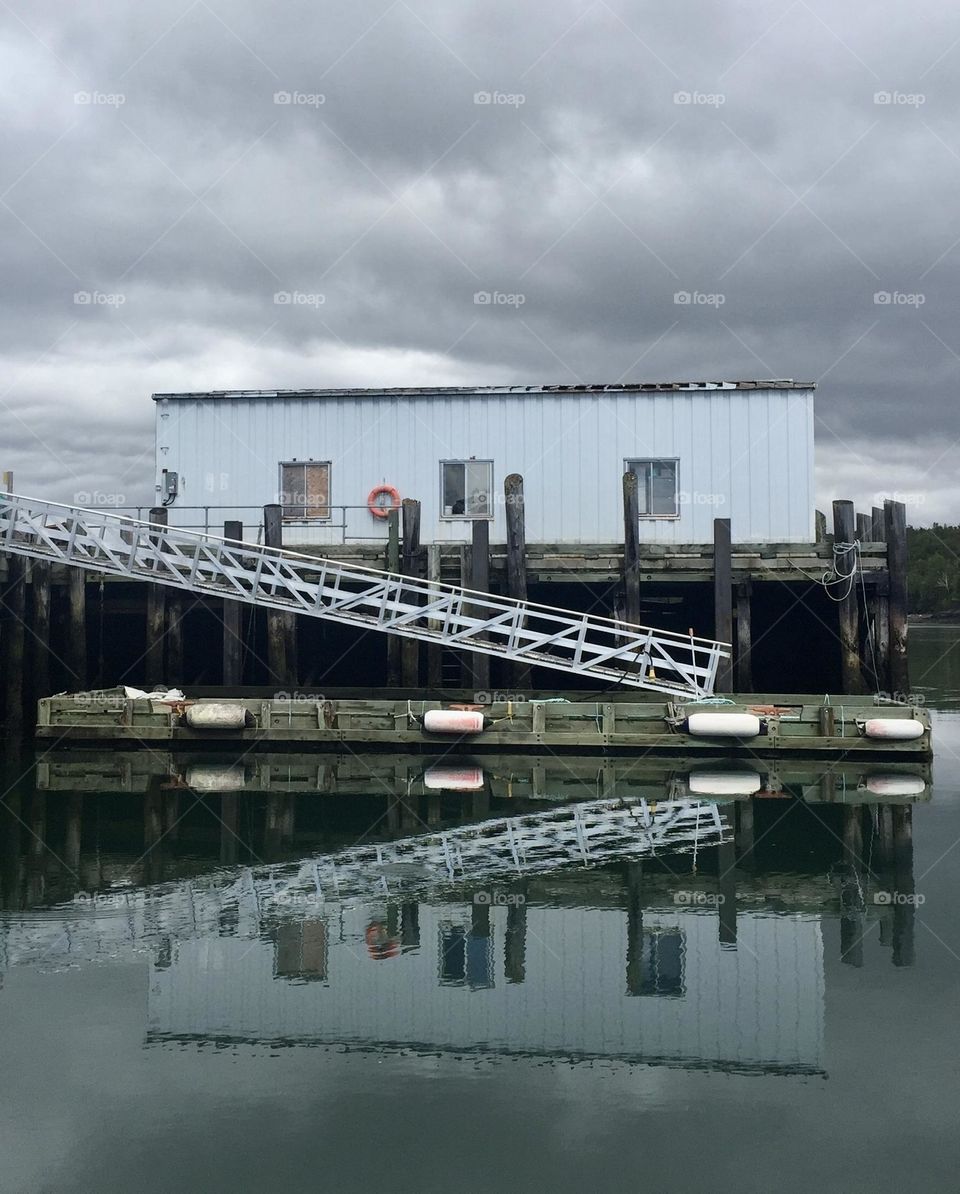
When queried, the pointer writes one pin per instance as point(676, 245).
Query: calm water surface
point(195, 997)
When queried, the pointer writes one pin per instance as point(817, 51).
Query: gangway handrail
point(318, 586)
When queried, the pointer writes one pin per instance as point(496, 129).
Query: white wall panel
point(743, 454)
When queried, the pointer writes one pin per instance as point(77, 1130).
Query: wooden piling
point(14, 645)
point(820, 527)
point(723, 598)
point(434, 650)
point(154, 659)
point(281, 627)
point(394, 654)
point(232, 627)
point(881, 606)
point(77, 628)
point(40, 625)
point(631, 549)
point(410, 566)
point(744, 662)
point(480, 583)
point(516, 560)
point(895, 521)
point(175, 613)
point(847, 598)
point(864, 527)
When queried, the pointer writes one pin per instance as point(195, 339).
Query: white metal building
point(739, 450)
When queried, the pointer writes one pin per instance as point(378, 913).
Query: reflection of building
point(757, 1007)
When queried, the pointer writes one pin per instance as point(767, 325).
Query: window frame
point(465, 517)
point(629, 461)
point(305, 519)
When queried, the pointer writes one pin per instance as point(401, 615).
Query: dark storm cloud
point(783, 165)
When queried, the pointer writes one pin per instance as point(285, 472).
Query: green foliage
point(933, 573)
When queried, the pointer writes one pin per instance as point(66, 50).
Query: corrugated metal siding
point(746, 455)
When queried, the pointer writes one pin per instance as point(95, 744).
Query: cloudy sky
point(169, 169)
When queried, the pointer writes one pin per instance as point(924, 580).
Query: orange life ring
point(374, 506)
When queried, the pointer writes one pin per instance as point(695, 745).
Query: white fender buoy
point(723, 725)
point(452, 721)
point(216, 715)
point(207, 777)
point(724, 783)
point(453, 779)
point(896, 785)
point(898, 729)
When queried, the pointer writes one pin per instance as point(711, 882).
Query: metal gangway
point(119, 922)
point(208, 565)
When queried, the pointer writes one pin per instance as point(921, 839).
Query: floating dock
point(756, 725)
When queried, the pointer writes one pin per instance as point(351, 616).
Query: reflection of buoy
point(724, 783)
point(452, 721)
point(453, 779)
point(896, 785)
point(207, 777)
point(898, 729)
point(380, 944)
point(216, 715)
point(723, 725)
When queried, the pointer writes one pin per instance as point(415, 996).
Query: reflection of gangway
point(578, 644)
point(119, 922)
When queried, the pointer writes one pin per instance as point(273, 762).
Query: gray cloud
point(628, 152)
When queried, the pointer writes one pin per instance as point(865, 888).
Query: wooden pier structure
point(827, 616)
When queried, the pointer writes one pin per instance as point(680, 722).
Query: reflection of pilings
point(72, 838)
point(744, 832)
point(480, 801)
point(633, 874)
point(171, 816)
point(904, 911)
point(289, 823)
point(229, 824)
point(480, 916)
point(434, 809)
point(882, 865)
point(727, 893)
point(851, 891)
point(153, 832)
point(409, 925)
point(37, 853)
point(274, 825)
point(10, 827)
point(515, 943)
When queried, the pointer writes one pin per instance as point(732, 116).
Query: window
point(656, 487)
point(465, 488)
point(305, 490)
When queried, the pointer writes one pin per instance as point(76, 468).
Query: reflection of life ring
point(375, 507)
point(380, 945)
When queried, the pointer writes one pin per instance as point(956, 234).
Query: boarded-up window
point(305, 489)
point(465, 488)
point(656, 487)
